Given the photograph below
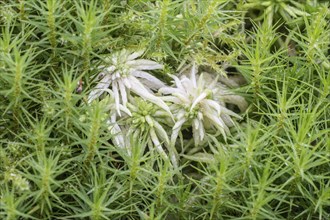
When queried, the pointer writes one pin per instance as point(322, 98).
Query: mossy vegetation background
point(57, 160)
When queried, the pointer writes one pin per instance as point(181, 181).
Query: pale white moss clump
point(149, 121)
point(123, 76)
point(194, 104)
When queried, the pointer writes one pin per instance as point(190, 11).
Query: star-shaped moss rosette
point(124, 75)
point(194, 105)
point(149, 121)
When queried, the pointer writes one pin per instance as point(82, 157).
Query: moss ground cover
point(172, 109)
